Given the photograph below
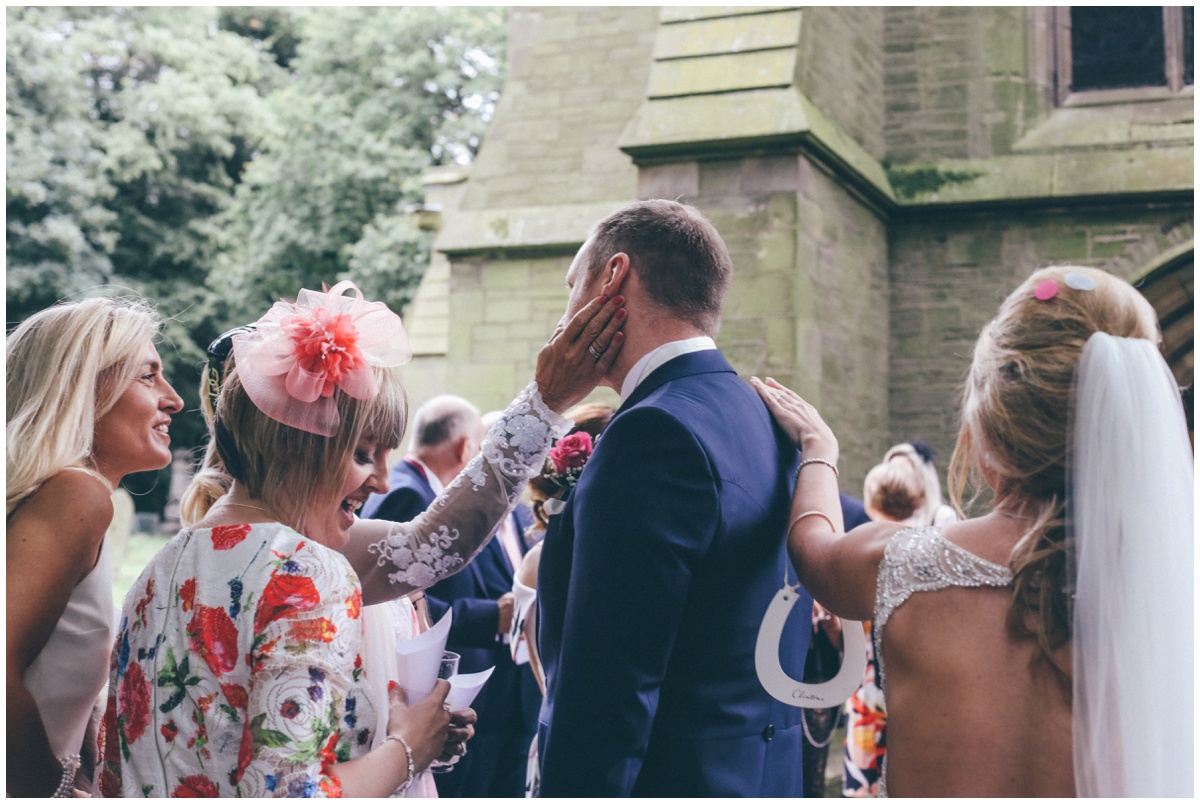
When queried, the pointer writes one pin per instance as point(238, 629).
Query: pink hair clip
point(300, 352)
point(1046, 290)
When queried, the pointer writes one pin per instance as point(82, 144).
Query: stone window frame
point(1172, 43)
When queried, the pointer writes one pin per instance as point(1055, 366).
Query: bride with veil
point(1044, 648)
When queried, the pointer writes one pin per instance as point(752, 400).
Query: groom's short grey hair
point(441, 419)
point(679, 257)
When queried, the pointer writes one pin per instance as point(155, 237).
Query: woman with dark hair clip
point(1043, 648)
point(238, 667)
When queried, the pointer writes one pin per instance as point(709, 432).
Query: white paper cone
point(418, 659)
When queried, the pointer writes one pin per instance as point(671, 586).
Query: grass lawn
point(139, 549)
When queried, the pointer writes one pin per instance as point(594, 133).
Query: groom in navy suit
point(655, 577)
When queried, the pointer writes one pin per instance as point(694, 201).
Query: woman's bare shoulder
point(869, 540)
point(60, 527)
point(72, 499)
point(991, 537)
point(527, 573)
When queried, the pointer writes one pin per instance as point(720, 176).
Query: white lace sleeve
point(395, 558)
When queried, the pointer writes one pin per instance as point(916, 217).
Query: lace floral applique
point(429, 549)
point(421, 565)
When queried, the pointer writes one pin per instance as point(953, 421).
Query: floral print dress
point(238, 667)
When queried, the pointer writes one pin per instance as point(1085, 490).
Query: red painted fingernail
point(603, 299)
point(620, 313)
point(392, 685)
point(618, 336)
point(619, 300)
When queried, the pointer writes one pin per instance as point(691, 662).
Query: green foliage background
point(217, 159)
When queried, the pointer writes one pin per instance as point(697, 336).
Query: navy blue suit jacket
point(409, 495)
point(652, 585)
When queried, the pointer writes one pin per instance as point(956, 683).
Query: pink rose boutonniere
point(565, 462)
point(571, 452)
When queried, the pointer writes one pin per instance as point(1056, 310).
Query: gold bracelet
point(824, 516)
point(807, 461)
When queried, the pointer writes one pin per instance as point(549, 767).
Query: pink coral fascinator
point(300, 352)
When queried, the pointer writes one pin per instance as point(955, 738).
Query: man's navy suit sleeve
point(476, 618)
point(644, 513)
point(402, 505)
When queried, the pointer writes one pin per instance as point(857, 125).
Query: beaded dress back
point(922, 560)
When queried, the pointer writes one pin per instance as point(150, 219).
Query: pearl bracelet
point(66, 785)
point(412, 769)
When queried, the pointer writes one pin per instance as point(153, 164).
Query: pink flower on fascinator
point(300, 352)
point(326, 348)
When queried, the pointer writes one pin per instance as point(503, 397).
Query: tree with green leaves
point(376, 95)
point(215, 160)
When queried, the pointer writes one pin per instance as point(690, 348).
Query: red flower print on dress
point(134, 699)
point(245, 754)
point(110, 786)
point(289, 709)
point(140, 609)
point(236, 695)
point(214, 637)
point(110, 743)
point(330, 786)
point(354, 604)
point(169, 731)
point(318, 630)
point(284, 595)
point(187, 594)
point(196, 786)
point(329, 753)
point(226, 537)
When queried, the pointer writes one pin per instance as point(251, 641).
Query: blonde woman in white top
point(86, 405)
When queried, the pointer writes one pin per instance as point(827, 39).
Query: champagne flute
point(447, 669)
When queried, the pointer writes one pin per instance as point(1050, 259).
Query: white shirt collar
point(657, 357)
point(433, 480)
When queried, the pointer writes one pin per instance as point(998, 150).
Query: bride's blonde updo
point(1015, 422)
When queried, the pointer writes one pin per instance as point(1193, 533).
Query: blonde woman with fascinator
point(238, 669)
point(86, 405)
point(1043, 648)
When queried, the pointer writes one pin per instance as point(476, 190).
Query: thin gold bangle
point(808, 461)
point(824, 516)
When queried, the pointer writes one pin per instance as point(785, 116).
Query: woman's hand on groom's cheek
point(580, 353)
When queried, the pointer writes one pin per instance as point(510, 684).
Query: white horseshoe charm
point(796, 693)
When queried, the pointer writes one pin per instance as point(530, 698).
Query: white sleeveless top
point(66, 677)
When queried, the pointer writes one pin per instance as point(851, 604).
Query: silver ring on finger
point(594, 352)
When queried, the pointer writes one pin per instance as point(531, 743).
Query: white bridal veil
point(1131, 513)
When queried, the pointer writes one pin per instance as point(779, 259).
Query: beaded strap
point(66, 785)
point(412, 769)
